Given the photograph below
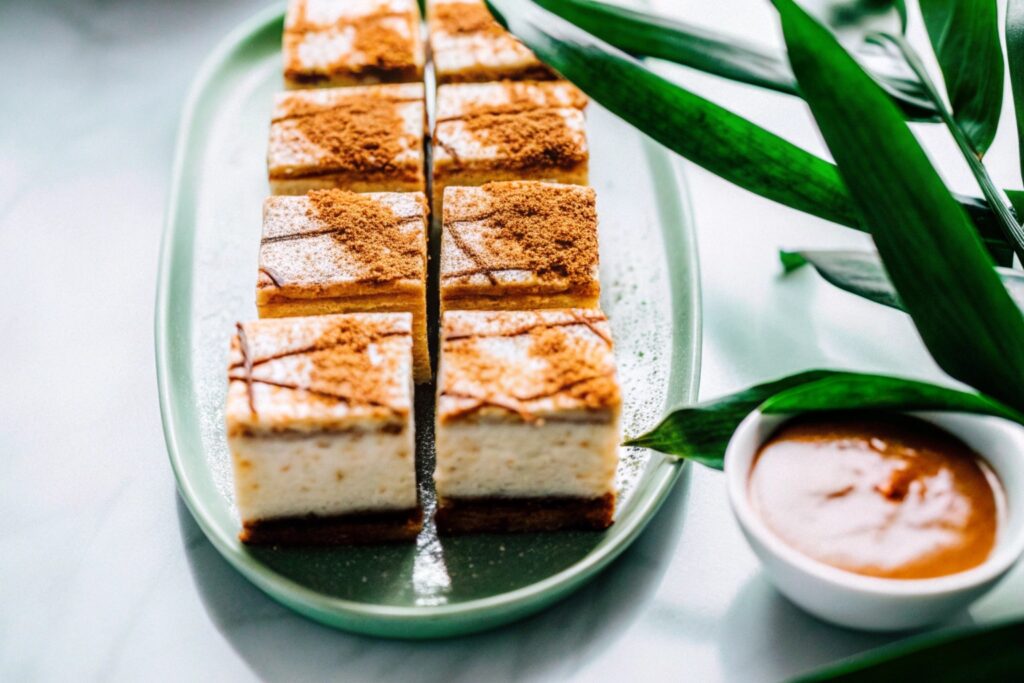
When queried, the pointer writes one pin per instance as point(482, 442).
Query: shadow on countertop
point(277, 644)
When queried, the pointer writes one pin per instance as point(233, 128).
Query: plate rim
point(683, 384)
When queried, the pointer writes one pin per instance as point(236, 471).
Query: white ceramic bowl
point(871, 603)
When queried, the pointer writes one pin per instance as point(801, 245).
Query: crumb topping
point(548, 229)
point(295, 369)
point(370, 230)
point(533, 364)
point(363, 133)
point(525, 122)
point(465, 18)
point(323, 243)
point(383, 47)
point(354, 39)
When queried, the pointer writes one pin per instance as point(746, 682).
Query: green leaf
point(993, 653)
point(650, 35)
point(947, 283)
point(702, 432)
point(857, 272)
point(703, 132)
point(1015, 59)
point(993, 195)
point(965, 35)
point(861, 273)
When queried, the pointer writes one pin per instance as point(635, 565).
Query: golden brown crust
point(529, 365)
point(520, 236)
point(331, 372)
point(391, 526)
point(518, 515)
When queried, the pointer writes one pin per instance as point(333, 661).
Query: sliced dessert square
point(527, 425)
point(334, 251)
point(468, 45)
point(344, 43)
point(320, 427)
point(511, 130)
point(364, 139)
point(519, 245)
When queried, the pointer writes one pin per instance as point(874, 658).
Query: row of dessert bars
point(320, 388)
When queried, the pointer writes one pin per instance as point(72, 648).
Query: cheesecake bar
point(468, 45)
point(344, 43)
point(363, 139)
point(510, 130)
point(320, 427)
point(334, 251)
point(519, 245)
point(527, 427)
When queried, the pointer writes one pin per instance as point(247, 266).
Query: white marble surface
point(104, 575)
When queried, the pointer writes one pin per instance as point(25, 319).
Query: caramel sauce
point(881, 495)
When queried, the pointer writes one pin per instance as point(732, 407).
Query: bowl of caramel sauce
point(878, 520)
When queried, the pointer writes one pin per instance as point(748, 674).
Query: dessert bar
point(527, 427)
point(344, 42)
point(320, 427)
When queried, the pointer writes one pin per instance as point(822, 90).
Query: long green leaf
point(945, 279)
point(992, 653)
point(649, 35)
point(1015, 59)
point(862, 273)
point(965, 35)
point(709, 135)
point(997, 201)
point(702, 432)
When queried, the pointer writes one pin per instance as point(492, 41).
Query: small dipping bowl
point(883, 604)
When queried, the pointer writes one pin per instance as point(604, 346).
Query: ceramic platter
point(435, 587)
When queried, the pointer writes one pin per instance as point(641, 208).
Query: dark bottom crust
point(355, 529)
point(515, 515)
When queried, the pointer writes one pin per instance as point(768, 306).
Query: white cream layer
point(552, 458)
point(324, 474)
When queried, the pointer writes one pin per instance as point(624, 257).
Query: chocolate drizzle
point(248, 363)
point(243, 345)
point(481, 265)
point(274, 277)
point(544, 229)
point(516, 404)
point(514, 377)
point(540, 323)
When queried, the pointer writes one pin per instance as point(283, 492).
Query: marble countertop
point(105, 576)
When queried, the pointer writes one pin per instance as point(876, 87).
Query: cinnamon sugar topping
point(528, 124)
point(382, 46)
point(465, 18)
point(547, 229)
point(527, 139)
point(379, 39)
point(371, 231)
point(535, 364)
point(361, 134)
point(357, 361)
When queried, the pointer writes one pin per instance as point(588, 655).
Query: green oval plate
point(207, 273)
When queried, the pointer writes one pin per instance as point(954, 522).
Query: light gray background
point(103, 573)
